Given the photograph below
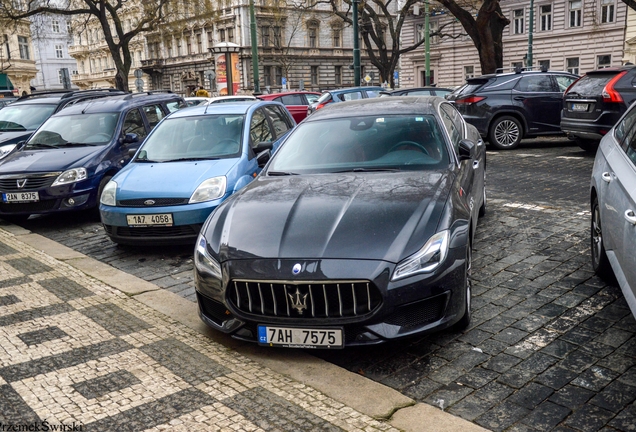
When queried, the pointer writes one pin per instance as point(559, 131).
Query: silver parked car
point(613, 199)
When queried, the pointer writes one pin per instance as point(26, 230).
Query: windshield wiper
point(191, 159)
point(280, 173)
point(40, 145)
point(72, 144)
point(368, 170)
point(13, 129)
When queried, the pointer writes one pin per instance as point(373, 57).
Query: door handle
point(630, 217)
point(607, 177)
point(476, 164)
point(519, 98)
point(480, 142)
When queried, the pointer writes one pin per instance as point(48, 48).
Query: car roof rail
point(43, 94)
point(146, 93)
point(93, 91)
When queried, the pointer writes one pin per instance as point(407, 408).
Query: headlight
point(426, 259)
point(70, 176)
point(109, 194)
point(5, 150)
point(209, 190)
point(203, 262)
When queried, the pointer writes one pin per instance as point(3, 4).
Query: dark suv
point(66, 162)
point(594, 103)
point(507, 107)
point(27, 113)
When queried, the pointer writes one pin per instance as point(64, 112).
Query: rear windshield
point(591, 85)
point(386, 142)
point(471, 87)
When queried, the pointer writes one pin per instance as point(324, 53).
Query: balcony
point(77, 50)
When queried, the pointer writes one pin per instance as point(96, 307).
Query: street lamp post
point(257, 85)
point(427, 47)
point(226, 48)
point(530, 29)
point(356, 46)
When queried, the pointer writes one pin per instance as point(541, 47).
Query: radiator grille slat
point(305, 300)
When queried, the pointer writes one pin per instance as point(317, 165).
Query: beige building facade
point(570, 35)
point(17, 58)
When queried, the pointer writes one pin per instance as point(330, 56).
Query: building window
point(546, 17)
point(23, 44)
point(222, 35)
point(210, 39)
point(575, 13)
point(337, 38)
point(607, 11)
point(572, 65)
point(60, 76)
point(314, 75)
point(420, 33)
point(267, 76)
point(469, 71)
point(169, 48)
point(603, 61)
point(519, 23)
point(68, 27)
point(188, 45)
point(279, 75)
point(6, 46)
point(277, 37)
point(178, 47)
point(58, 51)
point(230, 35)
point(544, 64)
point(312, 34)
point(338, 75)
point(55, 25)
point(265, 36)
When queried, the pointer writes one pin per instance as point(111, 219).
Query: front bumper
point(187, 222)
point(71, 197)
point(411, 306)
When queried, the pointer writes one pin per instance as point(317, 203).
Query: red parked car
point(295, 101)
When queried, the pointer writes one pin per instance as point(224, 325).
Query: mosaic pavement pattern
point(78, 355)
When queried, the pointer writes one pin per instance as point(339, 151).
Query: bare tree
point(109, 16)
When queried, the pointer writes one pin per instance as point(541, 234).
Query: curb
point(364, 395)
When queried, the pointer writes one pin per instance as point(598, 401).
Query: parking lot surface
point(551, 346)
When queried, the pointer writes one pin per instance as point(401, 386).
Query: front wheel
point(464, 321)
point(600, 262)
point(505, 133)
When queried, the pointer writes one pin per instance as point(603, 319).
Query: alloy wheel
point(507, 133)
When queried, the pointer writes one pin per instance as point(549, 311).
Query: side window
point(153, 114)
point(564, 81)
point(351, 96)
point(311, 98)
point(259, 128)
point(279, 120)
point(175, 105)
point(372, 93)
point(535, 83)
point(134, 123)
point(292, 100)
point(625, 133)
point(453, 124)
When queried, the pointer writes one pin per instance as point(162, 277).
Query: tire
point(100, 189)
point(588, 145)
point(600, 263)
point(505, 133)
point(464, 321)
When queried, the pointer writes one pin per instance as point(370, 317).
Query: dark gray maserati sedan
point(358, 230)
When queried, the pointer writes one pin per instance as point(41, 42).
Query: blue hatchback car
point(193, 160)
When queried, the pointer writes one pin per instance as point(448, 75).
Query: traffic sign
point(367, 79)
point(283, 80)
point(139, 73)
point(139, 84)
point(395, 75)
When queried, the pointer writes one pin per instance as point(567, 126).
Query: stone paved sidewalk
point(75, 352)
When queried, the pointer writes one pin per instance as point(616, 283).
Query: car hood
point(376, 216)
point(168, 179)
point(60, 159)
point(13, 137)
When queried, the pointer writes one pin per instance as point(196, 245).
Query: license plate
point(20, 197)
point(289, 337)
point(579, 107)
point(164, 219)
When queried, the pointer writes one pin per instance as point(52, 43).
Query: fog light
point(76, 200)
point(71, 201)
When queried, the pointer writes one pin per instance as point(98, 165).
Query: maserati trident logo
point(298, 301)
point(296, 268)
point(149, 202)
point(21, 183)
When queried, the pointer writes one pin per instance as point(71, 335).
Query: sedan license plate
point(289, 337)
point(20, 197)
point(164, 219)
point(579, 107)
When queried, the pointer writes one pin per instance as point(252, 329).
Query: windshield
point(387, 142)
point(194, 138)
point(24, 117)
point(94, 129)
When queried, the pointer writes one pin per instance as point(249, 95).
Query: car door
point(540, 101)
point(618, 201)
point(260, 129)
point(280, 121)
point(133, 124)
point(153, 114)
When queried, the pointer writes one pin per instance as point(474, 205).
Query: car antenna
point(86, 107)
point(206, 108)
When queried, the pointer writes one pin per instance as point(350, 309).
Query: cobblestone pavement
point(551, 346)
point(79, 355)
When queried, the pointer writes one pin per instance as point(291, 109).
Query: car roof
point(239, 107)
point(250, 97)
point(411, 89)
point(275, 95)
point(522, 73)
point(425, 105)
point(346, 89)
point(118, 103)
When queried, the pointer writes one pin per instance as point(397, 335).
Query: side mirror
point(131, 152)
point(130, 138)
point(263, 157)
point(466, 150)
point(262, 146)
